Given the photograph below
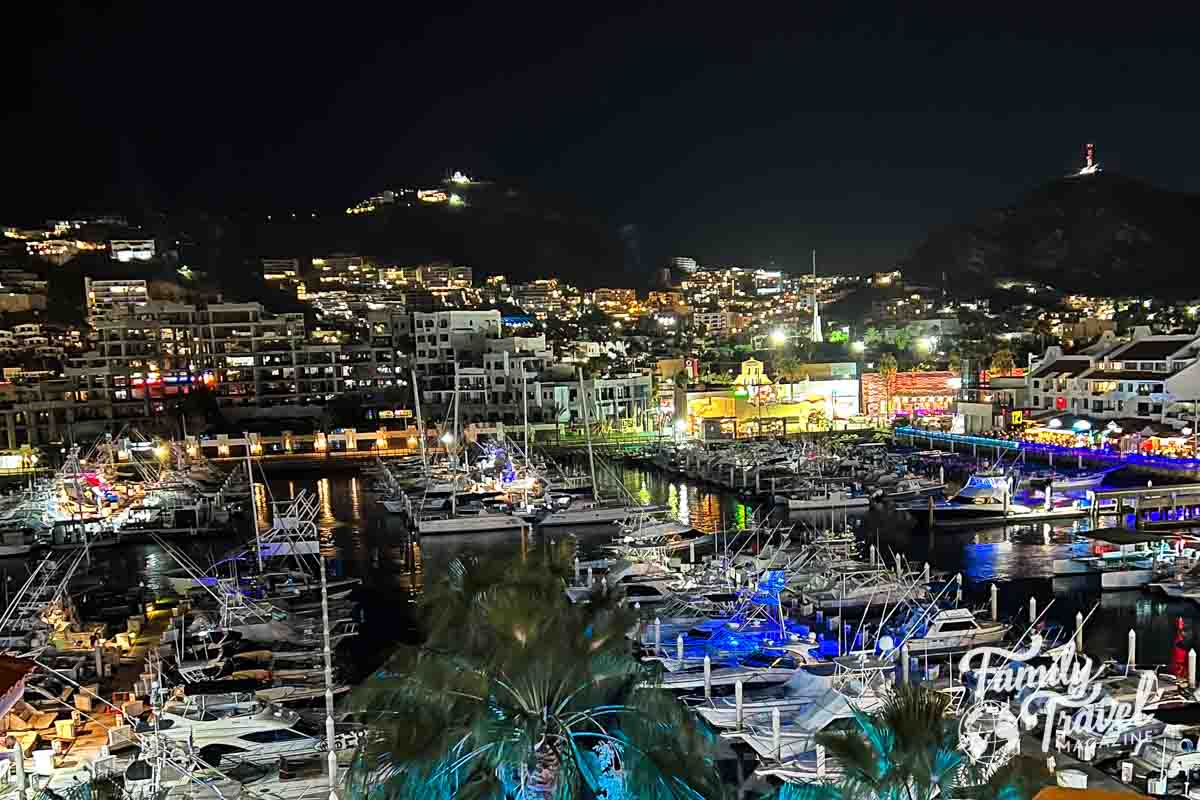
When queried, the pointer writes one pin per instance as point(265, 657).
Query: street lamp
point(447, 439)
point(778, 337)
point(858, 348)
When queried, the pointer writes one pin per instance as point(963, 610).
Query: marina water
point(365, 541)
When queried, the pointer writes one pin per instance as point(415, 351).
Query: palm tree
point(518, 694)
point(887, 371)
point(789, 369)
point(909, 750)
point(1002, 362)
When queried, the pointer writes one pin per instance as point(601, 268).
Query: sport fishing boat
point(821, 499)
point(569, 510)
point(984, 498)
point(909, 489)
point(802, 689)
point(469, 523)
point(861, 588)
point(758, 669)
point(1061, 481)
point(949, 629)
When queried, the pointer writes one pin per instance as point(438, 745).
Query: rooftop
point(1126, 375)
point(1154, 348)
point(1069, 366)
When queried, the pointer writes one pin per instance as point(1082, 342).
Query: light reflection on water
point(366, 542)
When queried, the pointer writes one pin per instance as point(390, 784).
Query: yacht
point(862, 588)
point(1130, 566)
point(469, 523)
point(829, 712)
point(802, 689)
point(984, 498)
point(947, 629)
point(909, 489)
point(254, 732)
point(16, 543)
point(1062, 481)
point(821, 499)
point(589, 513)
point(760, 669)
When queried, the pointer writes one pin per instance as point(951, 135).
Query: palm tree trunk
point(543, 780)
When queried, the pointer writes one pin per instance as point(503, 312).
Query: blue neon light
point(1110, 456)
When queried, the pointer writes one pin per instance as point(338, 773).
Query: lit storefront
point(756, 406)
point(1122, 436)
point(912, 394)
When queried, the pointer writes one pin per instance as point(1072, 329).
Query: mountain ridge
point(1101, 234)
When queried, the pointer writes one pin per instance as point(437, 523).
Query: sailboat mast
point(330, 737)
point(420, 421)
point(253, 503)
point(525, 407)
point(456, 407)
point(456, 443)
point(587, 432)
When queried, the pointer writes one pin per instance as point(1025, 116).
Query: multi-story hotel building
point(464, 350)
point(1149, 377)
point(108, 297)
point(246, 356)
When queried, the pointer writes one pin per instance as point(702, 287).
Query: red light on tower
point(1091, 155)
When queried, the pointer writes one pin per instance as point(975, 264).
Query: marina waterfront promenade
point(981, 445)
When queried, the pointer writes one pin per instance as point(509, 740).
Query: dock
point(1031, 745)
point(1173, 505)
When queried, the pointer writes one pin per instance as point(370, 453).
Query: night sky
point(733, 138)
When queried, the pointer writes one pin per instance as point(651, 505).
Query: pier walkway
point(984, 445)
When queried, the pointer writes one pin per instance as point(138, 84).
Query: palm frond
point(513, 690)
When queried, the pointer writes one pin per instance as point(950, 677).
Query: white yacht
point(802, 689)
point(798, 733)
point(821, 500)
point(590, 513)
point(909, 489)
point(1062, 481)
point(862, 588)
point(469, 523)
point(15, 543)
point(984, 498)
point(948, 629)
point(756, 670)
point(257, 733)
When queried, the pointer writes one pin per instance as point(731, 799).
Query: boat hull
point(480, 524)
point(586, 516)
